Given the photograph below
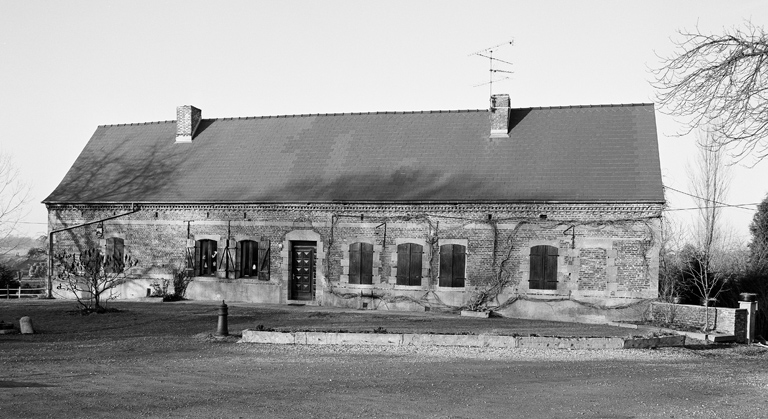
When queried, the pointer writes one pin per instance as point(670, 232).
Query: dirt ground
point(160, 360)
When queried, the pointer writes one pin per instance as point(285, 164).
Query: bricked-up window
point(253, 258)
point(114, 255)
point(453, 260)
point(543, 274)
point(205, 257)
point(361, 263)
point(409, 264)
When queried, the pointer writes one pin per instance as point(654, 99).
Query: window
point(253, 259)
point(543, 274)
point(409, 264)
point(361, 263)
point(114, 255)
point(205, 257)
point(453, 259)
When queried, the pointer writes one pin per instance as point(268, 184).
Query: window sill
point(409, 287)
point(358, 286)
point(451, 289)
point(546, 294)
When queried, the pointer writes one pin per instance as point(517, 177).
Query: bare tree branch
point(721, 82)
point(14, 195)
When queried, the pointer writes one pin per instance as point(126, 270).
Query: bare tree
point(14, 195)
point(720, 82)
point(707, 260)
point(89, 275)
point(671, 285)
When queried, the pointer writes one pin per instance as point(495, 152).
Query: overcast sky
point(68, 66)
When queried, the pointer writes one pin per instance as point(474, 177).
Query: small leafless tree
point(709, 181)
point(720, 82)
point(90, 275)
point(671, 285)
point(14, 195)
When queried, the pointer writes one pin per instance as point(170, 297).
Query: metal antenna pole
point(488, 53)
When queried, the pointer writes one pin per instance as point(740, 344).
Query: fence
point(20, 292)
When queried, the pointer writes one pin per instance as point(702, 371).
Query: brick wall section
point(608, 253)
point(731, 321)
point(631, 261)
point(592, 275)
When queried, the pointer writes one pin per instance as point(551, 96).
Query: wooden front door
point(303, 270)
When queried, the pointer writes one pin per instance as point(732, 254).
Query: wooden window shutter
point(446, 265)
point(403, 257)
point(536, 276)
point(263, 256)
point(109, 251)
point(239, 260)
point(366, 263)
point(452, 265)
point(550, 268)
point(354, 263)
point(118, 254)
point(221, 254)
point(459, 265)
point(198, 258)
point(415, 265)
point(229, 258)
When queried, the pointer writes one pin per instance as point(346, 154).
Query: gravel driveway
point(161, 361)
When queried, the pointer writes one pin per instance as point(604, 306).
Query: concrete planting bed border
point(491, 341)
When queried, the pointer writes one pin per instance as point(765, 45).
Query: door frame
point(306, 235)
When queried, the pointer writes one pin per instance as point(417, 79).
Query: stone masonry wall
point(731, 321)
point(607, 254)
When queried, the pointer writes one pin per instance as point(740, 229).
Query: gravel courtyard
point(160, 360)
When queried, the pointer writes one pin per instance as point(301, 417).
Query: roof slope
point(568, 154)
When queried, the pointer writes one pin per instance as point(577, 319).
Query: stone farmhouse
point(549, 213)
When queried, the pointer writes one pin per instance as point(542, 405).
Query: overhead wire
point(719, 204)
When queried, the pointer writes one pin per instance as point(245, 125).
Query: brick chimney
point(187, 119)
point(500, 116)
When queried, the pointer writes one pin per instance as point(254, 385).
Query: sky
point(68, 66)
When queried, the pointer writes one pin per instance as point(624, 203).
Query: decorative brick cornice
point(552, 211)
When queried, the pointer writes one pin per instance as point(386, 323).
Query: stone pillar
point(748, 302)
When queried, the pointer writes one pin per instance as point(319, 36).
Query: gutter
point(345, 202)
point(135, 208)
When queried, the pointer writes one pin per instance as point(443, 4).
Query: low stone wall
point(482, 341)
point(730, 321)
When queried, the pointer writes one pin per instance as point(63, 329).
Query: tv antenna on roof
point(488, 53)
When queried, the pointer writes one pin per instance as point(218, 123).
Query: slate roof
point(559, 154)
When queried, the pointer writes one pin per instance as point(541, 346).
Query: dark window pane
point(206, 257)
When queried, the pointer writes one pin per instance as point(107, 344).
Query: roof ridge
point(607, 105)
point(137, 123)
point(352, 114)
point(232, 118)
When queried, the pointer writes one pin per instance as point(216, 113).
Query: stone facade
point(606, 254)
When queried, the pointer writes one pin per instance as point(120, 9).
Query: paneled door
point(303, 270)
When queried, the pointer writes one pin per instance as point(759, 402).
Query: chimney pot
point(187, 119)
point(500, 116)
